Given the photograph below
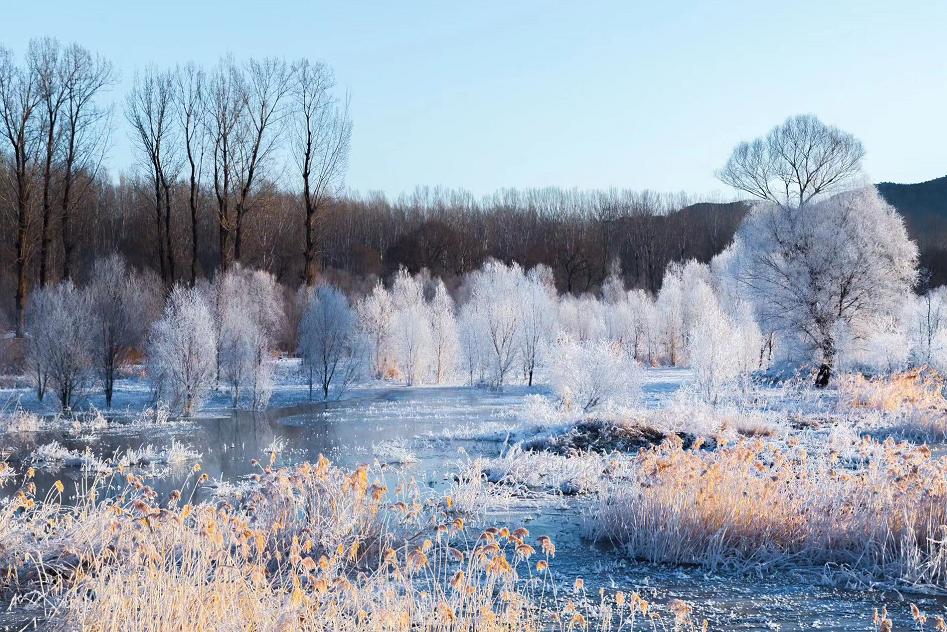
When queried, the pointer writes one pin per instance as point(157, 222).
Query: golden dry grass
point(920, 387)
point(758, 504)
point(312, 547)
point(913, 401)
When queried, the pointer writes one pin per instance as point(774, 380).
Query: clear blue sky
point(491, 94)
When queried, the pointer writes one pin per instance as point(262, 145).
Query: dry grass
point(312, 547)
point(913, 402)
point(761, 504)
point(920, 388)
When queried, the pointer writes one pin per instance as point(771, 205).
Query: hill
point(924, 207)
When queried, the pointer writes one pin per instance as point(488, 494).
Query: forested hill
point(924, 207)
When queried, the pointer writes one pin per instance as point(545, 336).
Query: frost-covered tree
point(587, 374)
point(59, 327)
point(249, 307)
point(181, 351)
point(375, 314)
point(473, 351)
point(720, 349)
point(124, 303)
point(492, 313)
point(926, 317)
point(412, 336)
point(582, 317)
point(537, 304)
point(670, 312)
point(646, 324)
point(843, 261)
point(330, 343)
point(444, 341)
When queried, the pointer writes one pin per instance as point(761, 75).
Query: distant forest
point(579, 235)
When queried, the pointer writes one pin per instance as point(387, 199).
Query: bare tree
point(221, 120)
point(84, 134)
point(20, 99)
point(149, 111)
point(796, 162)
point(44, 58)
point(190, 108)
point(323, 131)
point(265, 84)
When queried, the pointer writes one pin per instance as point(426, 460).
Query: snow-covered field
point(623, 514)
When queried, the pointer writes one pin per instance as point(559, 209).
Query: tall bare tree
point(84, 135)
point(191, 88)
point(20, 99)
point(44, 58)
point(795, 162)
point(149, 110)
point(266, 83)
point(222, 115)
point(323, 130)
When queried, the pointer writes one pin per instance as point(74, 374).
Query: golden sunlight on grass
point(312, 547)
point(879, 515)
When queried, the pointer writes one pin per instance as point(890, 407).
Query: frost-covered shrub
point(492, 314)
point(587, 374)
point(885, 349)
point(249, 307)
point(60, 332)
point(444, 340)
point(330, 343)
point(124, 303)
point(537, 305)
point(181, 351)
point(719, 350)
point(375, 314)
point(926, 326)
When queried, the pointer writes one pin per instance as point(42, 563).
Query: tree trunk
point(193, 203)
point(238, 234)
point(67, 244)
point(823, 375)
point(167, 231)
point(159, 236)
point(21, 253)
point(44, 236)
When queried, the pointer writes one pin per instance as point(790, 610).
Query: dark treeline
point(579, 235)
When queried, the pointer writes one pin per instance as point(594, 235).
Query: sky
point(492, 94)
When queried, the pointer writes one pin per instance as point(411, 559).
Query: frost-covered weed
point(591, 373)
point(174, 454)
point(395, 451)
point(352, 556)
point(763, 504)
point(54, 455)
point(910, 404)
point(525, 472)
point(21, 421)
